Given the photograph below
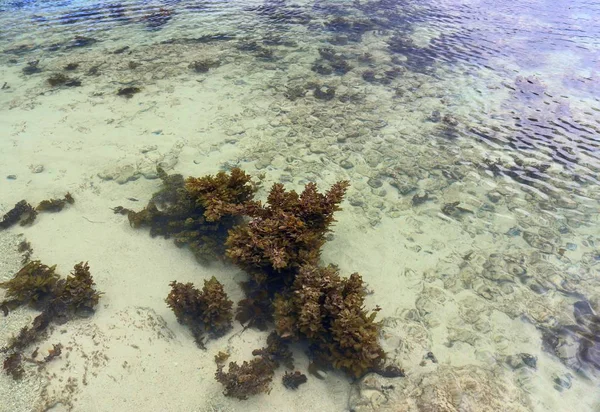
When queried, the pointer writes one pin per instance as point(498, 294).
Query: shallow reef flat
point(469, 142)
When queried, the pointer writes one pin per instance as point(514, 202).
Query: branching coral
point(209, 310)
point(328, 310)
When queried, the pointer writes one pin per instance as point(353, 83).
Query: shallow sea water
point(469, 132)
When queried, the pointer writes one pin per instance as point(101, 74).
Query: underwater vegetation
point(285, 234)
point(293, 380)
point(24, 214)
point(324, 93)
point(280, 14)
point(29, 286)
point(32, 67)
point(254, 377)
point(331, 62)
point(25, 248)
point(60, 79)
point(196, 213)
point(59, 300)
point(250, 378)
point(158, 18)
point(328, 311)
point(128, 92)
point(223, 194)
point(55, 205)
point(94, 12)
point(209, 310)
point(278, 244)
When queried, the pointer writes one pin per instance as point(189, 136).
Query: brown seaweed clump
point(196, 213)
point(59, 300)
point(251, 378)
point(277, 351)
point(25, 248)
point(223, 194)
point(55, 205)
point(254, 377)
point(207, 310)
point(22, 213)
point(13, 366)
point(328, 310)
point(32, 285)
point(282, 236)
point(286, 234)
point(293, 380)
point(78, 293)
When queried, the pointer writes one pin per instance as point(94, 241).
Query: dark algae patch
point(60, 79)
point(24, 214)
point(128, 92)
point(293, 380)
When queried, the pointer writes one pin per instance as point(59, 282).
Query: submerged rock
point(448, 389)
